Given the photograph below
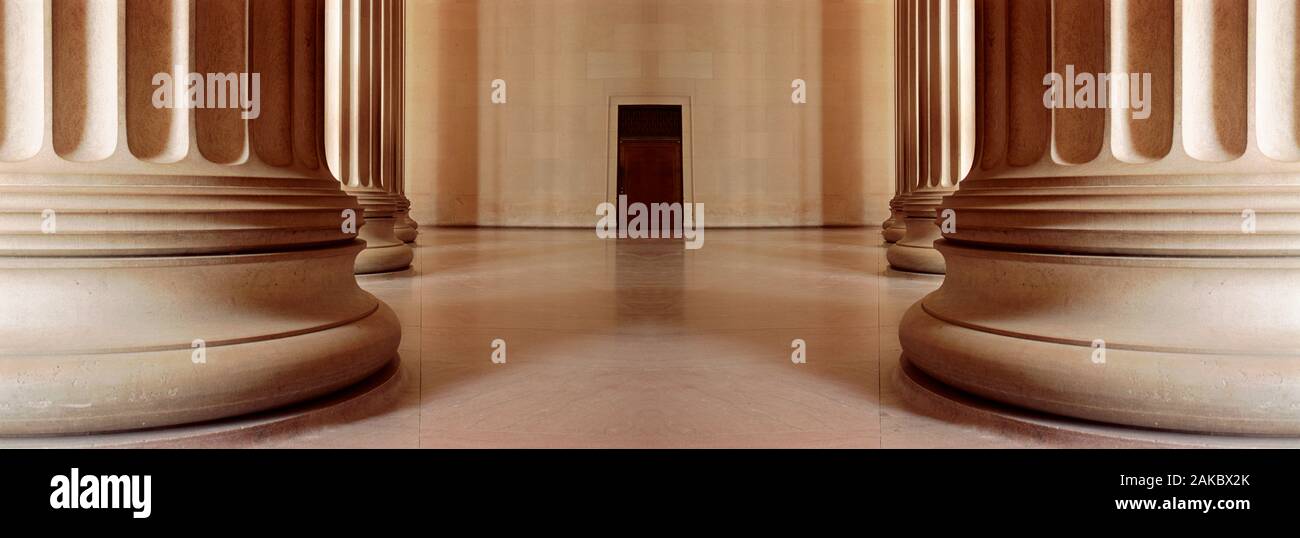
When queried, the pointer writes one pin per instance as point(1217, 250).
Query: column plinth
point(1142, 271)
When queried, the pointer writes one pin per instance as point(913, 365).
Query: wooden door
point(650, 171)
point(650, 154)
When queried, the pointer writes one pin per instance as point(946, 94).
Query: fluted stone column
point(938, 124)
point(895, 226)
point(160, 265)
point(1140, 271)
point(405, 228)
point(357, 84)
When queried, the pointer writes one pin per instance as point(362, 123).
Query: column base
point(404, 228)
point(111, 344)
point(1184, 344)
point(914, 251)
point(894, 228)
point(384, 251)
point(1021, 427)
point(373, 396)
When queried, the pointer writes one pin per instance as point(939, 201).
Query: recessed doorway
point(650, 155)
point(650, 150)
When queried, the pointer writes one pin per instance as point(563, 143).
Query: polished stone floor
point(641, 343)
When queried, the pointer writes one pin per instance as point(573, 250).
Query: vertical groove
point(157, 44)
point(1027, 119)
point(922, 91)
point(22, 79)
point(84, 82)
point(1277, 49)
point(335, 81)
point(962, 88)
point(1079, 48)
point(351, 119)
point(306, 70)
point(912, 85)
point(399, 95)
point(1214, 51)
point(935, 92)
point(359, 101)
point(390, 89)
point(272, 57)
point(1142, 42)
point(900, 93)
point(221, 54)
point(956, 101)
point(395, 94)
point(917, 96)
point(381, 143)
point(994, 111)
point(390, 97)
point(945, 84)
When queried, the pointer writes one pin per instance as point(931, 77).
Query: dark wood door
point(650, 171)
point(650, 155)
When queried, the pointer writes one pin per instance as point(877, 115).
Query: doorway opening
point(649, 154)
point(650, 158)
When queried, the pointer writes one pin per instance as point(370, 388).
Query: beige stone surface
point(759, 159)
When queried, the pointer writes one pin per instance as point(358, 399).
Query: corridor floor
point(641, 343)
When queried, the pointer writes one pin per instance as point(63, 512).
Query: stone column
point(1132, 265)
point(904, 146)
point(405, 228)
point(938, 124)
point(162, 265)
point(356, 85)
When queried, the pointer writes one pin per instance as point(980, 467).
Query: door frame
point(611, 176)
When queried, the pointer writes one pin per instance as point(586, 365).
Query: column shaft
point(895, 226)
point(405, 228)
point(938, 124)
point(358, 88)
